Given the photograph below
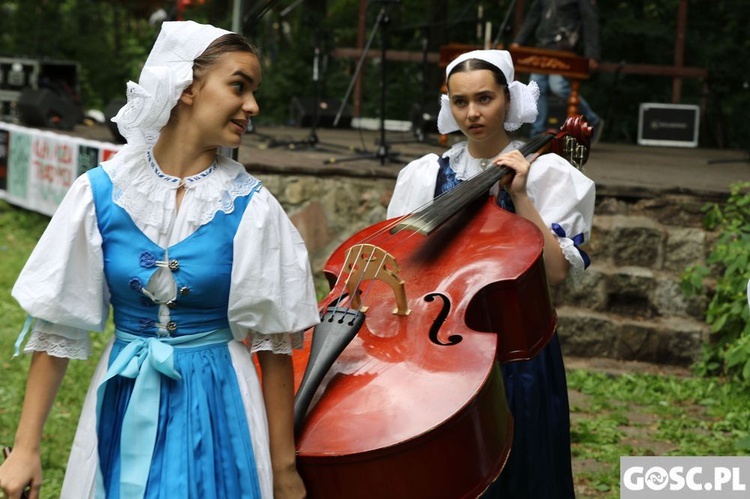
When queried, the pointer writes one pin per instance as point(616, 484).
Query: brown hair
point(230, 42)
point(475, 64)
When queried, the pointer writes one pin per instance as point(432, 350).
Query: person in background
point(571, 25)
point(485, 104)
point(201, 267)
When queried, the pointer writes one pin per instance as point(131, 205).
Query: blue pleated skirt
point(203, 445)
point(539, 465)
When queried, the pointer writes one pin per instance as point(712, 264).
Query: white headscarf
point(522, 108)
point(167, 72)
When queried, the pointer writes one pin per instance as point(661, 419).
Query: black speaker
point(668, 124)
point(42, 107)
point(110, 112)
point(302, 109)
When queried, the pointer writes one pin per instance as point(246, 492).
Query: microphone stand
point(249, 22)
point(251, 18)
point(420, 111)
point(505, 23)
point(312, 140)
point(383, 153)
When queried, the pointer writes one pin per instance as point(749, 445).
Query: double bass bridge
point(367, 262)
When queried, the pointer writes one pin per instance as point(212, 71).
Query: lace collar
point(175, 182)
point(148, 195)
point(465, 165)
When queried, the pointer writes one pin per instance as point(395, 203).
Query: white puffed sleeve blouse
point(62, 286)
point(563, 196)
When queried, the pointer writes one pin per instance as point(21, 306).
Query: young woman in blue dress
point(485, 104)
point(201, 267)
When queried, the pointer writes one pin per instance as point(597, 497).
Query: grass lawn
point(613, 414)
point(632, 412)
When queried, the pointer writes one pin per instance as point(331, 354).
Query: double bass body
point(414, 405)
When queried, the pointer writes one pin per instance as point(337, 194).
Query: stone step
point(631, 291)
point(627, 240)
point(662, 340)
point(629, 305)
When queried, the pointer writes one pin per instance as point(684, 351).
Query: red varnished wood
point(400, 416)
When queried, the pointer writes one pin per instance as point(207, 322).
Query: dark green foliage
point(729, 262)
point(644, 32)
point(111, 40)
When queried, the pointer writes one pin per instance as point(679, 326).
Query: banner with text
point(38, 167)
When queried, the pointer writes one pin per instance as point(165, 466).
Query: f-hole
point(453, 339)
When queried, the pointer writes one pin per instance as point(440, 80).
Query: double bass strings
point(359, 281)
point(433, 214)
point(341, 273)
point(426, 218)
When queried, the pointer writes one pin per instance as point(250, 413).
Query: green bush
point(728, 264)
point(111, 40)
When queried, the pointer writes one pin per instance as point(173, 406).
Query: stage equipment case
point(668, 125)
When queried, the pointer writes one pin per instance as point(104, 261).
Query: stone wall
point(328, 209)
point(629, 305)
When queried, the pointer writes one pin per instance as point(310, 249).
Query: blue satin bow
point(577, 241)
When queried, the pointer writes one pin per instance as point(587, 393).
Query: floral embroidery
point(147, 259)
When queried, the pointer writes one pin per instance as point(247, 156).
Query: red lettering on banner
point(64, 154)
point(53, 174)
point(53, 162)
point(43, 170)
point(41, 148)
point(64, 174)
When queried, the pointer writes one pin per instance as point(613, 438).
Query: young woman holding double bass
point(484, 103)
point(438, 311)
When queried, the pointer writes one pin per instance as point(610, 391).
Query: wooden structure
point(678, 71)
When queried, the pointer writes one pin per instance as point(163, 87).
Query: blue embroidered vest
point(446, 180)
point(201, 265)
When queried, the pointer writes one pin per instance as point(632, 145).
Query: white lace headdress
point(167, 72)
point(522, 108)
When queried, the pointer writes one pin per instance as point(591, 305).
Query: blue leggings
point(559, 86)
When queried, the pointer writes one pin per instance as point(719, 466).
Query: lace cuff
point(282, 343)
point(59, 346)
point(573, 255)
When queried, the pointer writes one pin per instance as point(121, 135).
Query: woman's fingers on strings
point(515, 161)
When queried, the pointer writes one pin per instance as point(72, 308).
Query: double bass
point(399, 392)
